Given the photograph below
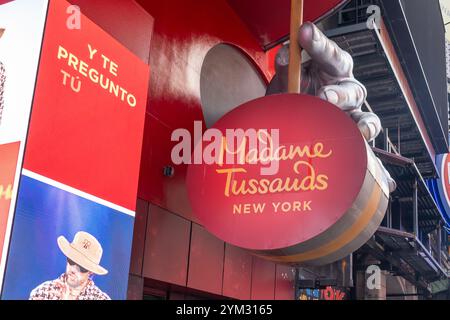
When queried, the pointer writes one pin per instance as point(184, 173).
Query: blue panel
point(43, 214)
point(436, 188)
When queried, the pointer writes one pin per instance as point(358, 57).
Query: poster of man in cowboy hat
point(83, 261)
point(67, 247)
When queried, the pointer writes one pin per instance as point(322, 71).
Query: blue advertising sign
point(46, 213)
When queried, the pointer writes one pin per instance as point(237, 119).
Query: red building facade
point(173, 256)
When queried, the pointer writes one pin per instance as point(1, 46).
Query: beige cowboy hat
point(85, 250)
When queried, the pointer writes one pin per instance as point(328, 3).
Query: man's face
point(76, 275)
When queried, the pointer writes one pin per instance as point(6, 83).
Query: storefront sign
point(329, 293)
point(327, 196)
point(79, 182)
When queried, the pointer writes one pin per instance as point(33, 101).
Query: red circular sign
point(321, 168)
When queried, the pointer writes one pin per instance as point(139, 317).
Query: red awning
point(269, 20)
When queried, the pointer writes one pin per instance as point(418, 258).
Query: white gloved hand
point(329, 76)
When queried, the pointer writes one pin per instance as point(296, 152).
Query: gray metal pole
point(439, 243)
point(386, 140)
point(415, 210)
point(389, 217)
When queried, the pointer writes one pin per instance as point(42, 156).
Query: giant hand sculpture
point(329, 76)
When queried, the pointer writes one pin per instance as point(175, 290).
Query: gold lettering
point(62, 53)
point(264, 186)
point(323, 182)
point(259, 208)
point(236, 186)
point(276, 205)
point(6, 193)
point(229, 173)
point(307, 179)
point(266, 152)
point(306, 205)
point(84, 68)
point(96, 77)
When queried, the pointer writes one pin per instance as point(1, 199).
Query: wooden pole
point(295, 57)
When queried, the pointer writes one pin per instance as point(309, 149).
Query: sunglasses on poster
point(72, 263)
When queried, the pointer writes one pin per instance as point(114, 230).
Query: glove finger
point(348, 95)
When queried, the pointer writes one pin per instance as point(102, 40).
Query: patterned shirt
point(2, 88)
point(54, 290)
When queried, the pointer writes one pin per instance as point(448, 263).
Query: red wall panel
point(157, 154)
point(177, 296)
point(166, 247)
point(205, 261)
point(135, 288)
point(156, 141)
point(284, 283)
point(184, 31)
point(237, 273)
point(139, 234)
point(263, 280)
point(125, 20)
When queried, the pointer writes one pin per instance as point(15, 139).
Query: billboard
point(46, 211)
point(19, 58)
point(309, 191)
point(329, 293)
point(76, 201)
